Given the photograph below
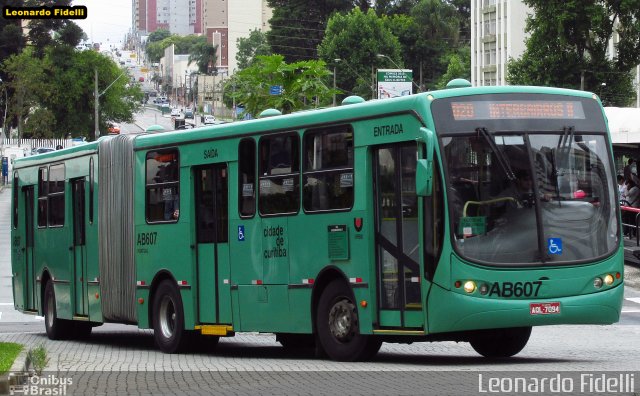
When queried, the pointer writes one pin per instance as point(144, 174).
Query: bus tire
point(168, 319)
point(57, 329)
point(338, 330)
point(500, 343)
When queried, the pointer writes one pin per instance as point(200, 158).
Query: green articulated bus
point(467, 214)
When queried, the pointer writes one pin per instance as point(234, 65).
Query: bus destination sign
point(516, 109)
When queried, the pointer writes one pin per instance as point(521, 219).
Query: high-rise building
point(497, 34)
point(178, 16)
point(223, 22)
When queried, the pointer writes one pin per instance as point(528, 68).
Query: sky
point(108, 21)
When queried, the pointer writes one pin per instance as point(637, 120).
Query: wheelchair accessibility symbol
point(554, 245)
point(240, 233)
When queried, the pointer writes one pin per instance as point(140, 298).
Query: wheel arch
point(324, 278)
point(160, 277)
point(44, 279)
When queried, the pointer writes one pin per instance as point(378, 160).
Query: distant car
point(188, 113)
point(211, 120)
point(141, 79)
point(114, 128)
point(175, 112)
point(42, 150)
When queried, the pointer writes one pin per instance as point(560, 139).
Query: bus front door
point(211, 222)
point(79, 247)
point(29, 272)
point(397, 242)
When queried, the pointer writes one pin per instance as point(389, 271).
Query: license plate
point(544, 308)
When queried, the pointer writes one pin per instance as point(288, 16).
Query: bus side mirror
point(424, 167)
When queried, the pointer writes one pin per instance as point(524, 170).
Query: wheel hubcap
point(167, 317)
point(342, 320)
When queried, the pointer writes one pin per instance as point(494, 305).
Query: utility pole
point(96, 104)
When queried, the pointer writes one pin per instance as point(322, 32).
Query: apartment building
point(497, 34)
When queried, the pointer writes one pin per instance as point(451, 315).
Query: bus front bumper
point(450, 311)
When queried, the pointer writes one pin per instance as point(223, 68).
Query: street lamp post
point(398, 67)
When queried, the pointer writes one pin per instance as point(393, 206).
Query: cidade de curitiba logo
point(48, 385)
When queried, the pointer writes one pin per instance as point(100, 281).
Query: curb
point(17, 375)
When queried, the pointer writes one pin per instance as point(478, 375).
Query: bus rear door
point(212, 205)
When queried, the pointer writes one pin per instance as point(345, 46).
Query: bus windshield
point(530, 197)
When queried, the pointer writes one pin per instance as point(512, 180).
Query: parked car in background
point(211, 120)
point(42, 150)
point(188, 113)
point(175, 112)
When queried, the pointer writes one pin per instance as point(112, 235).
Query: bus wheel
point(338, 327)
point(57, 329)
point(500, 343)
point(168, 319)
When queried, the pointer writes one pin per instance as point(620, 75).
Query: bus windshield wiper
point(564, 147)
point(502, 160)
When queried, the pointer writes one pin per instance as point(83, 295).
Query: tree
point(28, 83)
point(568, 44)
point(298, 26)
point(301, 83)
point(182, 45)
point(250, 47)
point(458, 66)
point(158, 35)
point(355, 39)
point(438, 33)
point(204, 56)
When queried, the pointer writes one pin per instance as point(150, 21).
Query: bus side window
point(328, 171)
point(162, 186)
point(279, 187)
point(247, 182)
point(43, 184)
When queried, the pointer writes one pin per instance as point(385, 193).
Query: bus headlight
point(469, 286)
point(608, 279)
point(597, 283)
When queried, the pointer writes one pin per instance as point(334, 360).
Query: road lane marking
point(633, 299)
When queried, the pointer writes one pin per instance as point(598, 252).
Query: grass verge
point(8, 353)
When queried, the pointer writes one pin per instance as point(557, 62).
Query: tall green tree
point(204, 56)
point(568, 47)
point(302, 85)
point(251, 46)
point(183, 45)
point(355, 39)
point(28, 82)
point(298, 26)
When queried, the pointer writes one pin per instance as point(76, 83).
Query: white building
point(497, 34)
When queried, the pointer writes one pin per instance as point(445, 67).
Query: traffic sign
point(275, 90)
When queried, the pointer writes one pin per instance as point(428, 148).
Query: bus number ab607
point(515, 289)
